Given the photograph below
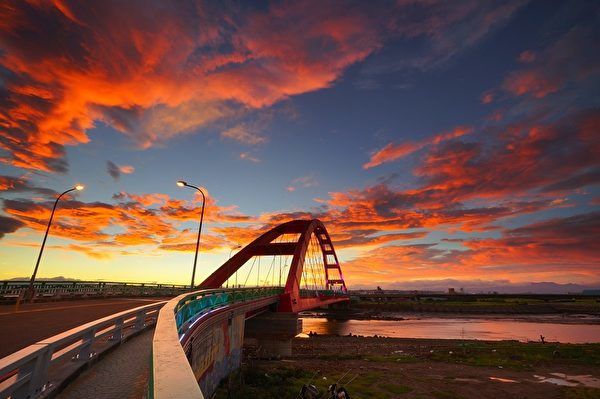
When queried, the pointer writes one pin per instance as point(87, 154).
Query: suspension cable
point(250, 271)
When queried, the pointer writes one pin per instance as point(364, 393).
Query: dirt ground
point(417, 368)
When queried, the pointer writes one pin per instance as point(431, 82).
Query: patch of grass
point(274, 384)
point(286, 382)
point(519, 356)
point(391, 358)
point(445, 395)
point(339, 356)
point(469, 303)
point(582, 393)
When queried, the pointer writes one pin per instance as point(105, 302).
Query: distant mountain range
point(57, 278)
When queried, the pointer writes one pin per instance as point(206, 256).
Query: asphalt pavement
point(37, 321)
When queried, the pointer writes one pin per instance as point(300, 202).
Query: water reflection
point(458, 328)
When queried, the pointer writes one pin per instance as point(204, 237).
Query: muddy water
point(493, 329)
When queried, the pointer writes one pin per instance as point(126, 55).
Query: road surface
point(34, 322)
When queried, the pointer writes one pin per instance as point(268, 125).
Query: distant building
point(451, 291)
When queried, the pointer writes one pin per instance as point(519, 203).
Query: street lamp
point(182, 183)
point(31, 291)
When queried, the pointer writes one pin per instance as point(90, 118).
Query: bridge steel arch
point(199, 335)
point(292, 299)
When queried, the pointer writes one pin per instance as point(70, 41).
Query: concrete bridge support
point(273, 333)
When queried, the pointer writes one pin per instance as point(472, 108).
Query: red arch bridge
point(199, 335)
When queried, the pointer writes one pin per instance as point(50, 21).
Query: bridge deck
point(34, 322)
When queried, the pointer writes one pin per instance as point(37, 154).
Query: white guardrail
point(11, 290)
point(41, 368)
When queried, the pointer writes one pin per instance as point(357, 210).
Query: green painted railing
point(199, 303)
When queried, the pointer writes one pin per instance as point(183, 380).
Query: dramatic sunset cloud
point(148, 219)
point(439, 142)
point(392, 152)
point(137, 80)
point(558, 247)
point(455, 172)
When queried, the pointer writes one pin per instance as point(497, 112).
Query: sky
point(440, 142)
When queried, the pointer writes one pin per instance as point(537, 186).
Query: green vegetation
point(474, 304)
point(506, 354)
point(397, 389)
point(519, 356)
point(445, 395)
point(285, 382)
point(384, 375)
point(260, 383)
point(581, 393)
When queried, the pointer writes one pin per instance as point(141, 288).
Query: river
point(492, 329)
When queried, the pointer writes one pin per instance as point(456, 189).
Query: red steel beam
point(290, 300)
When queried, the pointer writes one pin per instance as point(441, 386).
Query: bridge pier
point(274, 333)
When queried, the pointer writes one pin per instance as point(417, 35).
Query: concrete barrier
point(199, 337)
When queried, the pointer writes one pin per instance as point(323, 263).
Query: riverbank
point(422, 368)
point(469, 304)
point(362, 314)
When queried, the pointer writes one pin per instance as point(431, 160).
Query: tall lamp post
point(182, 183)
point(30, 291)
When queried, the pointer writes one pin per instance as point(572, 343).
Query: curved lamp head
point(79, 187)
point(181, 183)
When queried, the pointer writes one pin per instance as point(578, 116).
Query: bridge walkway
point(121, 373)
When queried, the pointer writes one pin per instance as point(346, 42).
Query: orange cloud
point(139, 224)
point(392, 152)
point(90, 251)
point(508, 172)
point(559, 249)
point(126, 169)
point(147, 78)
point(144, 199)
point(158, 75)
